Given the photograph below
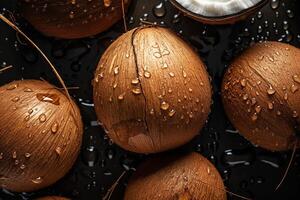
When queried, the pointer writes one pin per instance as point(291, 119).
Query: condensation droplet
point(135, 81)
point(164, 105)
point(27, 155)
point(37, 180)
point(296, 78)
point(12, 87)
point(42, 118)
point(172, 113)
point(294, 88)
point(121, 96)
point(58, 151)
point(147, 74)
point(54, 128)
point(243, 82)
point(271, 91)
point(136, 91)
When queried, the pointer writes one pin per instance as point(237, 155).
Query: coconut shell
point(53, 198)
point(40, 135)
point(72, 19)
point(183, 177)
point(261, 95)
point(151, 91)
point(228, 19)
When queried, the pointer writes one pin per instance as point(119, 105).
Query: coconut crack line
point(140, 83)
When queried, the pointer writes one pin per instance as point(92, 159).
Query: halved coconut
point(218, 11)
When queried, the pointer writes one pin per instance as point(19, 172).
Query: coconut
point(151, 91)
point(218, 11)
point(183, 177)
point(40, 135)
point(73, 18)
point(261, 95)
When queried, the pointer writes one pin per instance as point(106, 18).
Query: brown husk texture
point(40, 135)
point(261, 96)
point(64, 19)
point(151, 91)
point(176, 177)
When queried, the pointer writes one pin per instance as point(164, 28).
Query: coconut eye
point(218, 11)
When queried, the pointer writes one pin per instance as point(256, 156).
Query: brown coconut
point(72, 18)
point(261, 95)
point(40, 135)
point(151, 91)
point(182, 177)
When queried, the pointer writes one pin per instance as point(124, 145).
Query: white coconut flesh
point(217, 8)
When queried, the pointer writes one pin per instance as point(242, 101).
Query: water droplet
point(274, 4)
point(295, 114)
point(90, 156)
point(15, 99)
point(238, 157)
point(58, 151)
point(254, 117)
point(42, 118)
point(285, 96)
point(147, 74)
point(49, 98)
point(270, 105)
point(271, 91)
point(172, 74)
point(294, 88)
point(296, 78)
point(258, 109)
point(28, 90)
point(164, 105)
point(71, 15)
point(290, 13)
point(253, 101)
point(245, 97)
point(136, 91)
point(243, 82)
point(121, 96)
point(172, 113)
point(152, 111)
point(159, 10)
point(37, 180)
point(14, 155)
point(164, 66)
point(116, 70)
point(135, 81)
point(27, 155)
point(54, 128)
point(12, 87)
point(107, 3)
point(115, 85)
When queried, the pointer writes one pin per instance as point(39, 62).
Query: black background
point(249, 171)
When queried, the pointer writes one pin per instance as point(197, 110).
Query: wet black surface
point(247, 170)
